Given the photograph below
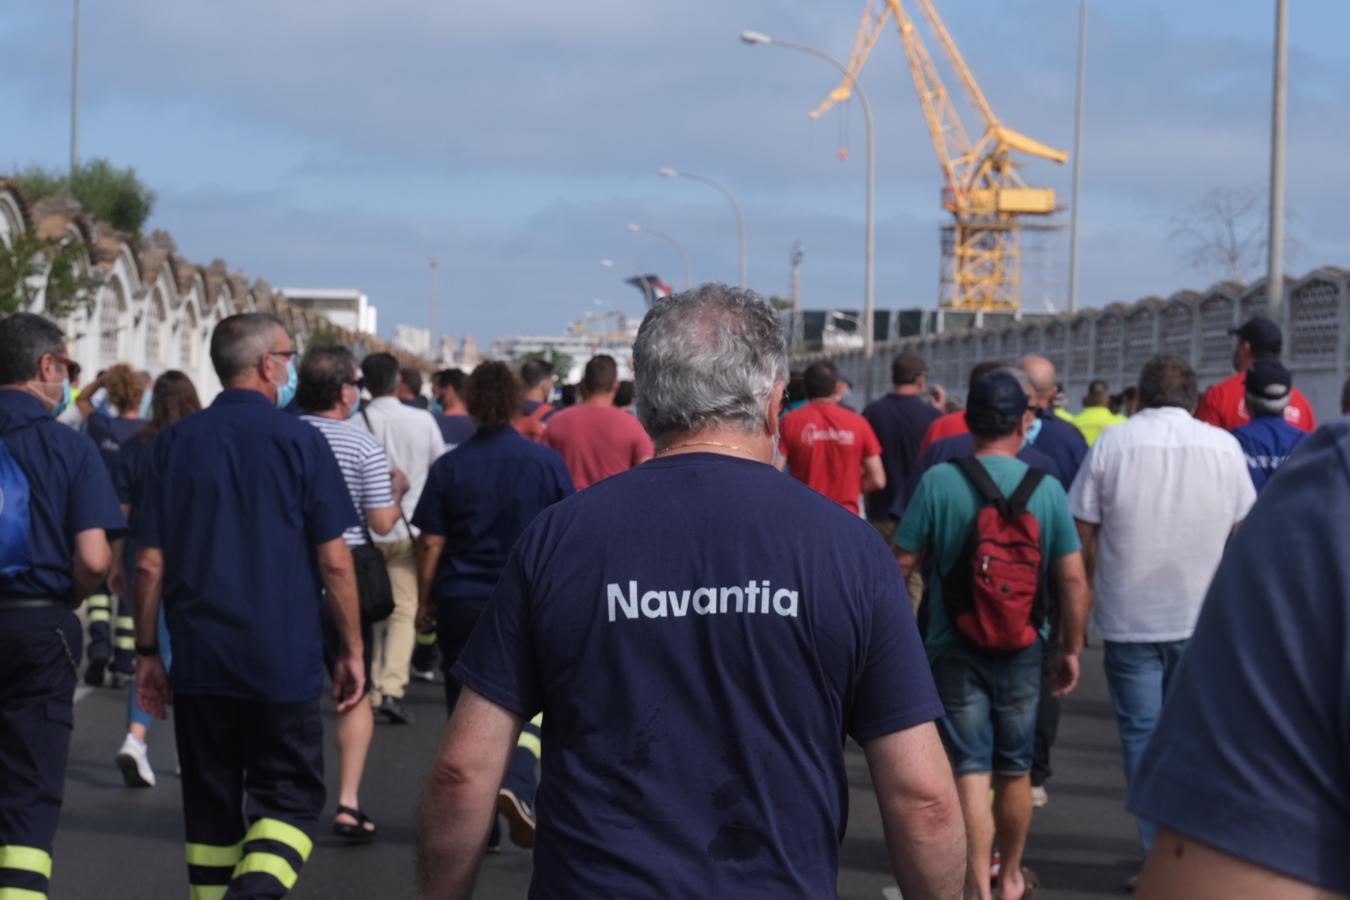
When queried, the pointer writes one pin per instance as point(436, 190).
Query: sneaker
point(93, 673)
point(134, 762)
point(427, 675)
point(1039, 797)
point(393, 709)
point(519, 816)
point(1132, 882)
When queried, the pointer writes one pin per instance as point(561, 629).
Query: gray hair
point(24, 339)
point(1168, 380)
point(1259, 405)
point(240, 341)
point(705, 358)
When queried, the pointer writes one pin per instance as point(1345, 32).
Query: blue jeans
point(134, 712)
point(1139, 676)
point(990, 702)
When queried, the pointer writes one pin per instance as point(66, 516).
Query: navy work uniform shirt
point(109, 434)
point(480, 498)
point(455, 429)
point(1252, 753)
point(702, 635)
point(243, 496)
point(69, 491)
point(1267, 442)
point(1063, 443)
point(900, 422)
point(958, 445)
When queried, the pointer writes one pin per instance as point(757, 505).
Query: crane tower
point(982, 189)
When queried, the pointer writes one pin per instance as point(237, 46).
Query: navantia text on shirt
point(755, 598)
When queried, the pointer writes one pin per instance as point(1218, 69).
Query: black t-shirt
point(701, 634)
point(899, 423)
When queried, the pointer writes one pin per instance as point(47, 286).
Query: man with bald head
point(1050, 434)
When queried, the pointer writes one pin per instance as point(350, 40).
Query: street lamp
point(644, 229)
point(869, 333)
point(667, 172)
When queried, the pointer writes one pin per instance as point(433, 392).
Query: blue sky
point(340, 143)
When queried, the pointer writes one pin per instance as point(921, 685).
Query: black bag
point(373, 588)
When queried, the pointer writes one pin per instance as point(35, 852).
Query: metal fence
point(1112, 343)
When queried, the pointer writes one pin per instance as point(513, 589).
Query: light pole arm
point(688, 278)
point(740, 219)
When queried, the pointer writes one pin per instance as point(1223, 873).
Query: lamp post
point(644, 229)
point(434, 263)
point(75, 94)
point(1077, 156)
point(667, 172)
point(869, 333)
point(1275, 236)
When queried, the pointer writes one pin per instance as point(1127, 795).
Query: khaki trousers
point(395, 636)
point(887, 528)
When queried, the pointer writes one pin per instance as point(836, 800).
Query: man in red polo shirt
point(1225, 404)
point(828, 448)
point(954, 423)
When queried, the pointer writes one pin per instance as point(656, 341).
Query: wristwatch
point(147, 649)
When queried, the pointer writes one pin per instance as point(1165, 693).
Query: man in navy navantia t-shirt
point(702, 636)
point(1248, 772)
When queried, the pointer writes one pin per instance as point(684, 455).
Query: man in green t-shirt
point(991, 698)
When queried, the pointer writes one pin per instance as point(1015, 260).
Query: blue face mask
point(65, 401)
point(1033, 431)
point(436, 406)
point(144, 412)
point(286, 392)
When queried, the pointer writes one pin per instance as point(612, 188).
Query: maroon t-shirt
point(597, 441)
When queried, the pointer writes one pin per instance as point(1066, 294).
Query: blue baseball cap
point(997, 392)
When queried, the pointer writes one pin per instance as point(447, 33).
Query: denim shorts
point(990, 702)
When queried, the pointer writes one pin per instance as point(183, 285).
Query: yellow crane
point(984, 192)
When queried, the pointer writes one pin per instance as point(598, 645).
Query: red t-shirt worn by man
point(825, 445)
point(946, 426)
point(597, 441)
point(1225, 406)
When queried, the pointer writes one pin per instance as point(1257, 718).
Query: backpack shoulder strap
point(978, 476)
point(1017, 503)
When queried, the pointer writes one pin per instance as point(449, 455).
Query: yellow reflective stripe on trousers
point(26, 859)
point(100, 615)
point(207, 891)
point(426, 637)
point(99, 600)
point(283, 833)
point(127, 623)
point(214, 855)
point(124, 643)
point(531, 743)
point(260, 862)
point(8, 893)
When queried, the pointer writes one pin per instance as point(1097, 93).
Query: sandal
point(358, 833)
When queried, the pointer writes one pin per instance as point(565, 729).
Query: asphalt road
point(128, 844)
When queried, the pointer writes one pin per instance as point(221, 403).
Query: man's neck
point(723, 441)
point(908, 390)
point(824, 399)
point(458, 409)
point(337, 413)
point(537, 395)
point(599, 400)
point(253, 383)
point(1004, 446)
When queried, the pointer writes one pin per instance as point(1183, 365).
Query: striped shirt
point(365, 468)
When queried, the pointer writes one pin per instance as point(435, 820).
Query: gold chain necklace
point(674, 447)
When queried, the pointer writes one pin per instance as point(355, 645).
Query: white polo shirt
point(413, 441)
point(1167, 491)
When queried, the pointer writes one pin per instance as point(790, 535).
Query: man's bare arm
point(873, 475)
point(93, 556)
point(460, 796)
point(1180, 867)
point(920, 812)
point(909, 561)
point(1087, 536)
point(339, 581)
point(1075, 604)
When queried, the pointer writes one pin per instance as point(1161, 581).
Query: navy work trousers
point(39, 649)
point(252, 792)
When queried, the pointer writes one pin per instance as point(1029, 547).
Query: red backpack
point(993, 592)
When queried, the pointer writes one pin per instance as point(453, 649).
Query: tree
point(112, 195)
point(780, 303)
point(1225, 233)
point(560, 361)
point(23, 264)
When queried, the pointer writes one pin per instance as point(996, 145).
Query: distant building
point(413, 339)
point(579, 347)
point(349, 309)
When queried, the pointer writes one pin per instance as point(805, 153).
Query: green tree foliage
point(21, 268)
point(561, 362)
point(112, 195)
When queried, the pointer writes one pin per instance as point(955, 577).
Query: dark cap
point(1263, 334)
point(997, 392)
point(1268, 379)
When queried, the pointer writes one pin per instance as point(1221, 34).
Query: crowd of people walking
point(658, 611)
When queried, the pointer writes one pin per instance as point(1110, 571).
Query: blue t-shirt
point(959, 445)
point(1064, 444)
point(129, 476)
point(900, 423)
point(455, 429)
point(68, 492)
point(1267, 442)
point(109, 434)
point(480, 498)
point(701, 635)
point(243, 495)
point(940, 516)
point(1252, 753)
